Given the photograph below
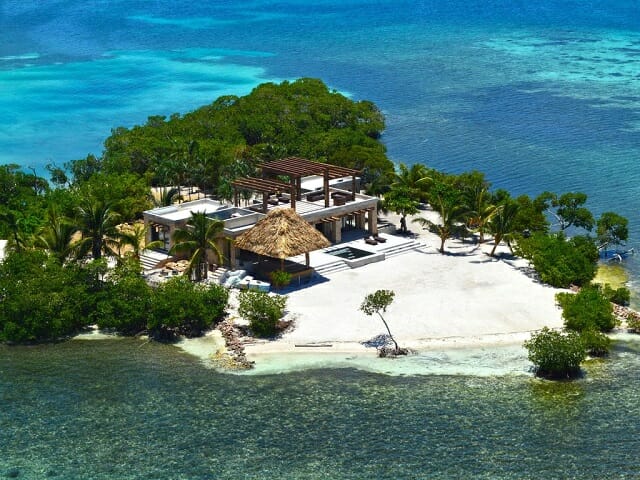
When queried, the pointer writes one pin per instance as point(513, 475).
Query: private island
point(277, 220)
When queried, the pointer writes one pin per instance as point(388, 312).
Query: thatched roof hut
point(281, 234)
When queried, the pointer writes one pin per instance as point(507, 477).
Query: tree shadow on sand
point(379, 341)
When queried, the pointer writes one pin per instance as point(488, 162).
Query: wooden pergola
point(296, 168)
point(264, 186)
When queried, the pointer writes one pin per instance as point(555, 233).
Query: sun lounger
point(370, 241)
point(379, 239)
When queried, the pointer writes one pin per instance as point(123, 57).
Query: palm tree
point(502, 224)
point(19, 238)
point(168, 196)
point(57, 235)
point(195, 240)
point(480, 209)
point(97, 222)
point(414, 179)
point(135, 237)
point(445, 200)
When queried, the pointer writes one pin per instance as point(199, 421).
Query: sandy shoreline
point(464, 299)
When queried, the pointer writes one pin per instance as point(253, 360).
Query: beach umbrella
point(281, 234)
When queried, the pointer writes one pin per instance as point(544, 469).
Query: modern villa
point(326, 196)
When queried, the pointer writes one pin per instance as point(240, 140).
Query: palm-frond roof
point(281, 234)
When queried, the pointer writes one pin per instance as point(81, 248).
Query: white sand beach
point(462, 299)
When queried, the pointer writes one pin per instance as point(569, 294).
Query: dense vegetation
point(43, 300)
point(54, 282)
point(211, 145)
point(262, 311)
point(556, 355)
point(589, 309)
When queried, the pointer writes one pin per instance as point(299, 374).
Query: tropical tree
point(195, 240)
point(57, 235)
point(571, 212)
point(414, 179)
point(556, 355)
point(403, 201)
point(479, 208)
point(134, 237)
point(263, 311)
point(168, 196)
point(377, 302)
point(41, 299)
point(612, 229)
point(502, 224)
point(445, 199)
point(97, 222)
point(589, 309)
point(17, 228)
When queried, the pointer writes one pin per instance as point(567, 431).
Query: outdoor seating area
point(240, 279)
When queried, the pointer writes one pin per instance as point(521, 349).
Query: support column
point(326, 229)
point(233, 253)
point(172, 229)
point(326, 188)
point(373, 222)
point(292, 196)
point(360, 221)
point(336, 234)
point(148, 236)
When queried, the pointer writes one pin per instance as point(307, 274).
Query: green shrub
point(280, 278)
point(587, 309)
point(597, 344)
point(263, 311)
point(558, 261)
point(556, 354)
point(124, 304)
point(619, 296)
point(41, 300)
point(181, 307)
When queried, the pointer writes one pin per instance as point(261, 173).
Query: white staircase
point(217, 274)
point(149, 259)
point(332, 267)
point(410, 246)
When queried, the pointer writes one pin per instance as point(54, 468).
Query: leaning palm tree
point(502, 225)
point(446, 201)
point(195, 240)
point(97, 223)
point(480, 209)
point(58, 235)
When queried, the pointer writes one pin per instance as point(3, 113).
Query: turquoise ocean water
point(539, 95)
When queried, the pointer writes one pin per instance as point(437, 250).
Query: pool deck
point(325, 264)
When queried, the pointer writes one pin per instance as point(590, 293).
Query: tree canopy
point(300, 118)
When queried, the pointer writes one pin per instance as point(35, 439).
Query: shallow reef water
point(125, 409)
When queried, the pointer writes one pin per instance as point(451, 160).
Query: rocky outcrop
point(235, 355)
point(628, 317)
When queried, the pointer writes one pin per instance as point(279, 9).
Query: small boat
point(615, 255)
